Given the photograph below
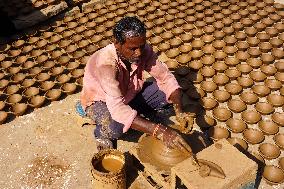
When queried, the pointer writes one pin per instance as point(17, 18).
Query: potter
point(115, 94)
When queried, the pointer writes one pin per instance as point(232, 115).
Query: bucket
point(108, 170)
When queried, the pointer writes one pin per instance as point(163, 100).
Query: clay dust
point(44, 171)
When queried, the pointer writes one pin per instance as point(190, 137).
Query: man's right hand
point(173, 140)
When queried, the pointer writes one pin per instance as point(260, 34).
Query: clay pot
point(261, 90)
point(233, 88)
point(255, 63)
point(273, 175)
point(14, 98)
point(207, 71)
point(276, 100)
point(157, 149)
point(77, 73)
point(250, 31)
point(277, 53)
point(257, 76)
point(219, 55)
point(12, 89)
point(56, 71)
point(264, 108)
point(14, 70)
point(237, 106)
point(260, 27)
point(253, 136)
point(254, 52)
point(42, 58)
point(42, 77)
point(47, 85)
point(222, 114)
point(251, 116)
point(221, 96)
point(240, 35)
point(12, 53)
point(236, 125)
point(64, 43)
point(253, 42)
point(31, 91)
point(172, 53)
point(48, 65)
point(53, 94)
point(28, 83)
point(171, 64)
point(69, 88)
point(269, 151)
point(279, 65)
point(220, 79)
point(19, 109)
point(272, 32)
point(6, 64)
point(185, 48)
point(268, 69)
point(268, 127)
point(19, 43)
point(216, 133)
point(279, 141)
point(209, 103)
point(207, 38)
point(17, 78)
point(33, 40)
point(218, 25)
point(238, 142)
point(50, 48)
point(62, 60)
point(242, 45)
point(27, 65)
point(233, 73)
point(263, 37)
point(3, 116)
point(219, 66)
point(267, 58)
point(249, 97)
point(278, 118)
point(244, 68)
point(63, 78)
point(175, 42)
point(208, 86)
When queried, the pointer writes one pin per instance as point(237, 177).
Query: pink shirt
point(107, 79)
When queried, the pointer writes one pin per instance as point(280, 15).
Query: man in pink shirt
point(114, 93)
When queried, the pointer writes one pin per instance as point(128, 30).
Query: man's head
point(130, 38)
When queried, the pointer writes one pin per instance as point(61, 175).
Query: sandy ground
point(46, 149)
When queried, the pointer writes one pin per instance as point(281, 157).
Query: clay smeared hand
point(174, 140)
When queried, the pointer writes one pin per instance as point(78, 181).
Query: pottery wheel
point(153, 151)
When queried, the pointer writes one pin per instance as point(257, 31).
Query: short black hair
point(128, 24)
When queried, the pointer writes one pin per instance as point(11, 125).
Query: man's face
point(132, 49)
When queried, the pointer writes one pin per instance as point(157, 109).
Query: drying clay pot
point(238, 142)
point(3, 116)
point(42, 58)
point(6, 64)
point(242, 55)
point(220, 79)
point(275, 42)
point(219, 34)
point(17, 78)
point(72, 65)
point(245, 82)
point(28, 83)
point(46, 85)
point(237, 106)
point(53, 94)
point(268, 69)
point(255, 63)
point(77, 73)
point(12, 89)
point(50, 48)
point(236, 125)
point(242, 45)
point(209, 103)
point(33, 40)
point(27, 65)
point(207, 71)
point(217, 133)
point(19, 109)
point(208, 49)
point(56, 71)
point(175, 42)
point(222, 114)
point(12, 53)
point(219, 66)
point(233, 73)
point(196, 54)
point(269, 151)
point(264, 108)
point(19, 43)
point(257, 76)
point(254, 52)
point(34, 71)
point(69, 88)
point(277, 53)
point(279, 140)
point(14, 70)
point(251, 116)
point(221, 95)
point(185, 48)
point(262, 36)
point(232, 61)
point(278, 118)
point(261, 90)
point(31, 91)
point(253, 42)
point(208, 86)
point(253, 136)
point(249, 97)
point(276, 100)
point(63, 78)
point(219, 44)
point(279, 76)
point(268, 127)
point(233, 88)
point(273, 175)
point(172, 64)
point(62, 60)
point(219, 55)
point(42, 77)
point(267, 58)
point(244, 68)
point(241, 36)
